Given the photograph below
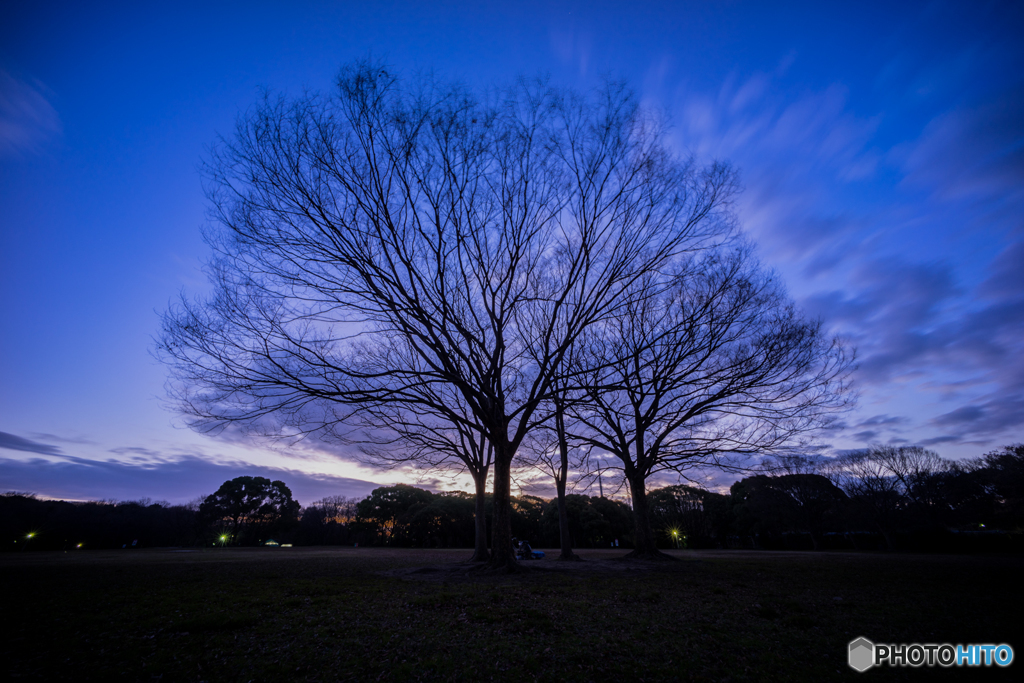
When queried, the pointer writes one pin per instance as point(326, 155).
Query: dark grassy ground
point(362, 615)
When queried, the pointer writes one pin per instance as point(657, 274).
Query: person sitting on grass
point(524, 550)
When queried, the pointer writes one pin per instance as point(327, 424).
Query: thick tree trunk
point(646, 548)
point(503, 557)
point(567, 555)
point(480, 553)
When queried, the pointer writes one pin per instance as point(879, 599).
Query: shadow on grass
point(342, 614)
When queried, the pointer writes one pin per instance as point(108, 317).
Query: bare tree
point(911, 467)
point(781, 464)
point(548, 450)
point(326, 517)
point(719, 367)
point(888, 482)
point(336, 509)
point(871, 485)
point(382, 240)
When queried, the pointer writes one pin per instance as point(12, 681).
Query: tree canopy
point(425, 247)
point(246, 510)
point(716, 367)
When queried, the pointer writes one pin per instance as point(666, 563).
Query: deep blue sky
point(881, 148)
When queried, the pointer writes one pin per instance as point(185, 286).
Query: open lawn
point(365, 614)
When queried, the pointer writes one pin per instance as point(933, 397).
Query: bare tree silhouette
point(384, 240)
point(548, 450)
point(719, 367)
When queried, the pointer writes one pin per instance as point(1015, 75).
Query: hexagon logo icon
point(861, 654)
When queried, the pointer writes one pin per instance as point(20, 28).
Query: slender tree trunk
point(480, 553)
point(564, 538)
point(646, 549)
point(882, 518)
point(502, 555)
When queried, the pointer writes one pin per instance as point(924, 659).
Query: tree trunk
point(887, 537)
point(480, 553)
point(503, 557)
point(646, 549)
point(563, 525)
point(567, 555)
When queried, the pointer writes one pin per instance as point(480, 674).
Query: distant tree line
point(30, 523)
point(882, 498)
point(243, 511)
point(405, 516)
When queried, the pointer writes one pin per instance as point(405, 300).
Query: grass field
point(347, 614)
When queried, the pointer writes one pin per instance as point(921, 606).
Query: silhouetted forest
point(879, 499)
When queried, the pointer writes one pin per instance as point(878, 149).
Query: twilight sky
point(880, 146)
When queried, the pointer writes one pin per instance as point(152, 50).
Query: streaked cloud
point(572, 46)
point(973, 151)
point(890, 243)
point(17, 443)
point(28, 120)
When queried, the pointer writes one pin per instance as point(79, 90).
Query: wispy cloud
point(28, 120)
point(793, 152)
point(572, 46)
point(878, 240)
point(890, 421)
point(971, 152)
point(17, 443)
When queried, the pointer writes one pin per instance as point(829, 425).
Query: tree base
point(491, 568)
point(480, 556)
point(568, 557)
point(649, 555)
